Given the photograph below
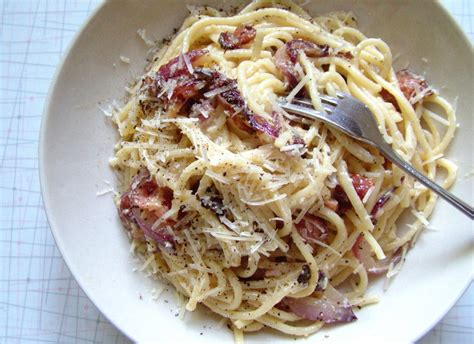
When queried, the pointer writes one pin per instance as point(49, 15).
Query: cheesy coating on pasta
point(265, 219)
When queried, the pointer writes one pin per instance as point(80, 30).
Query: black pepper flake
point(305, 275)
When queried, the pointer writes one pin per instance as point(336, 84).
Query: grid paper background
point(39, 299)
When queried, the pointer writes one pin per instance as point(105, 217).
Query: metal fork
point(352, 117)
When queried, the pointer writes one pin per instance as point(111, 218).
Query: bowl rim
point(44, 183)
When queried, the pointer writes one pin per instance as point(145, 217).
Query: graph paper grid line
point(40, 301)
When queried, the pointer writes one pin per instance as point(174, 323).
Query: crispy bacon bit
point(148, 196)
point(187, 89)
point(286, 67)
point(272, 128)
point(143, 205)
point(312, 229)
point(295, 46)
point(345, 55)
point(332, 307)
point(380, 203)
point(242, 35)
point(228, 41)
point(151, 85)
point(286, 57)
point(245, 33)
point(182, 212)
point(363, 253)
point(411, 85)
point(174, 69)
point(389, 98)
point(361, 185)
point(200, 91)
point(343, 203)
point(231, 99)
point(173, 85)
point(240, 114)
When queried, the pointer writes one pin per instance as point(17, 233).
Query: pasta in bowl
point(264, 220)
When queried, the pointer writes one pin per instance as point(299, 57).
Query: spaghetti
point(263, 219)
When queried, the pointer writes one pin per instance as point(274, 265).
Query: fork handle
point(390, 154)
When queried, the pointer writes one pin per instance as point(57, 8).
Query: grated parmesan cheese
point(394, 270)
point(217, 91)
point(125, 59)
point(420, 217)
point(226, 236)
point(367, 194)
point(164, 217)
point(156, 293)
point(147, 262)
point(142, 34)
point(111, 109)
point(179, 120)
point(293, 147)
point(133, 245)
point(259, 173)
point(431, 228)
point(188, 63)
point(419, 95)
point(266, 201)
point(256, 247)
point(437, 118)
point(432, 159)
point(297, 88)
point(231, 225)
point(105, 191)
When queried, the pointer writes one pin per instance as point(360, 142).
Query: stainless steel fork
point(351, 116)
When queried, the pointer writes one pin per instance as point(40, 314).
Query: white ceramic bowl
point(77, 141)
